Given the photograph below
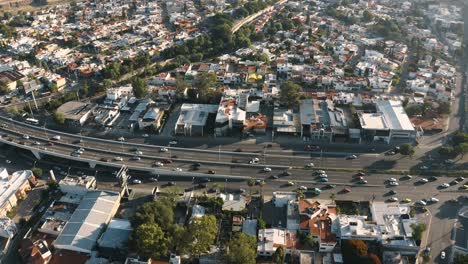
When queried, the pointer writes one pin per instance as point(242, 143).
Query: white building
point(88, 221)
point(12, 188)
point(389, 123)
point(271, 239)
point(77, 185)
point(8, 228)
point(192, 119)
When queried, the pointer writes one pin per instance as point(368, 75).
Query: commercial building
point(389, 123)
point(286, 122)
point(152, 118)
point(11, 78)
point(76, 113)
point(77, 185)
point(87, 223)
point(114, 241)
point(12, 188)
point(192, 119)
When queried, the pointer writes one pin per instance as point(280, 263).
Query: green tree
point(289, 93)
point(53, 88)
point(261, 223)
point(84, 89)
point(242, 249)
point(150, 240)
point(160, 212)
point(204, 85)
point(279, 255)
point(447, 152)
point(418, 230)
point(181, 86)
point(202, 233)
point(444, 108)
point(460, 137)
point(37, 172)
point(460, 259)
point(4, 88)
point(250, 183)
point(407, 150)
point(59, 118)
point(462, 149)
point(367, 16)
point(107, 83)
point(140, 87)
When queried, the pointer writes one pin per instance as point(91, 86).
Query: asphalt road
point(268, 156)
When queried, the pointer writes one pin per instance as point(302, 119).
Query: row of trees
point(459, 146)
point(155, 233)
point(114, 70)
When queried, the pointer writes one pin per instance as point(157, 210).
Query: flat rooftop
point(74, 110)
point(195, 114)
point(395, 115)
point(9, 185)
point(373, 121)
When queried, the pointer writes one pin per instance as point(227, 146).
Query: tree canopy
point(151, 240)
point(242, 249)
point(407, 150)
point(140, 87)
point(202, 234)
point(289, 93)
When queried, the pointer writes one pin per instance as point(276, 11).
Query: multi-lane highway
point(226, 161)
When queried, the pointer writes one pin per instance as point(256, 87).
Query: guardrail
point(118, 165)
point(120, 153)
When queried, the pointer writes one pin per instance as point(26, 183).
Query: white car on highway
point(303, 188)
point(444, 185)
point(433, 200)
point(25, 136)
point(423, 180)
point(136, 181)
point(121, 139)
point(392, 180)
point(393, 183)
point(163, 150)
point(267, 169)
point(177, 169)
point(393, 199)
point(118, 159)
point(323, 175)
point(158, 164)
point(310, 165)
point(138, 152)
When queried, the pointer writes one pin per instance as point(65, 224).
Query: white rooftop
point(394, 114)
point(195, 114)
point(9, 185)
point(88, 221)
point(373, 121)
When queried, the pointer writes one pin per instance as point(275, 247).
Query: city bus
point(32, 121)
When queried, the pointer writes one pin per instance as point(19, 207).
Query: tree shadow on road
point(382, 165)
point(447, 210)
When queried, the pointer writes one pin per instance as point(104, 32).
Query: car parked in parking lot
point(444, 185)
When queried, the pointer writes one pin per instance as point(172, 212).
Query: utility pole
point(34, 99)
